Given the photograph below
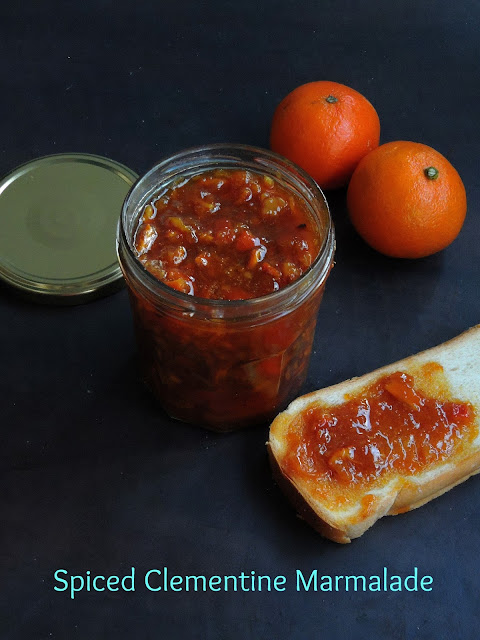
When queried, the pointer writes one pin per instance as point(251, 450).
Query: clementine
point(406, 200)
point(325, 128)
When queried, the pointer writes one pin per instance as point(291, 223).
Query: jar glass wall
point(224, 364)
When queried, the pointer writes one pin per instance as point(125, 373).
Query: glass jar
point(224, 364)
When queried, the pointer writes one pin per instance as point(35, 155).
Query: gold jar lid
point(58, 219)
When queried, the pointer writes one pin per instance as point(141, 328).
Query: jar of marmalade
point(225, 251)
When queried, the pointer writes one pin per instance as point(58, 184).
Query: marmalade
point(227, 235)
point(390, 426)
point(226, 263)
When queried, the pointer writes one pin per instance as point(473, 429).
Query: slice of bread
point(342, 511)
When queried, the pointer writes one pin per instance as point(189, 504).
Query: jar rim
point(224, 152)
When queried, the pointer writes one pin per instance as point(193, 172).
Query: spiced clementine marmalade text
point(390, 426)
point(227, 235)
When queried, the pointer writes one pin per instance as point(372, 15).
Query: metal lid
point(58, 219)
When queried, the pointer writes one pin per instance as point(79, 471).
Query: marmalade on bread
point(389, 426)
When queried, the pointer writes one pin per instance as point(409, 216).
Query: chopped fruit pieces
point(389, 426)
point(145, 238)
point(401, 390)
point(228, 234)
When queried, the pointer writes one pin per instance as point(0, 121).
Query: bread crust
point(303, 508)
point(397, 494)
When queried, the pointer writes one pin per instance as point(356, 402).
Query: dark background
point(92, 475)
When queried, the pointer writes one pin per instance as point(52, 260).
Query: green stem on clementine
point(431, 173)
point(331, 99)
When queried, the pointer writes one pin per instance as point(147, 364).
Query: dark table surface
point(93, 477)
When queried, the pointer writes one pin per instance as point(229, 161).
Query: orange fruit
point(325, 128)
point(406, 200)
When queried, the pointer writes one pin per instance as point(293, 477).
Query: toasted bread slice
point(343, 512)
